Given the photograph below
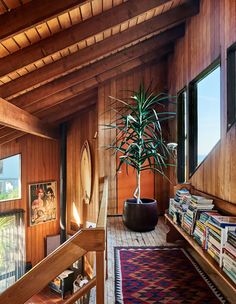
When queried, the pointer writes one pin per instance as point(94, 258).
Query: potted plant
point(139, 143)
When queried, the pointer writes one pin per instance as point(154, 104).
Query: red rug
point(161, 275)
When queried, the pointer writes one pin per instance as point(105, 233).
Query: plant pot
point(140, 217)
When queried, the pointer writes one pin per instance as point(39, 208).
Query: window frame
point(182, 128)
point(231, 86)
point(20, 178)
point(193, 116)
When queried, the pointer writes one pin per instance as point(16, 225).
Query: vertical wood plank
point(100, 277)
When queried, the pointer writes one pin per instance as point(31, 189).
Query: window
point(12, 247)
point(10, 175)
point(204, 115)
point(231, 86)
point(182, 136)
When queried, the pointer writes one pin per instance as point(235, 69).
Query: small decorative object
point(79, 283)
point(42, 202)
point(86, 173)
point(140, 144)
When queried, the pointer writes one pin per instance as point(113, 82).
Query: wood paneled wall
point(81, 128)
point(39, 162)
point(122, 186)
point(208, 35)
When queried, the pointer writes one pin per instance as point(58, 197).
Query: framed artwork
point(42, 202)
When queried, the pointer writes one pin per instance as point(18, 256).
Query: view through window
point(208, 113)
point(10, 178)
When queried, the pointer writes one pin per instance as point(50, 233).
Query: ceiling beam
point(96, 68)
point(16, 118)
point(78, 92)
point(65, 110)
point(93, 82)
point(10, 135)
point(76, 33)
point(69, 63)
point(33, 13)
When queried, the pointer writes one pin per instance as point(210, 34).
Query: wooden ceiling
point(54, 53)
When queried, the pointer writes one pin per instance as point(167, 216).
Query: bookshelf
point(173, 236)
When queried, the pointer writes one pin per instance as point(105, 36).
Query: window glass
point(12, 247)
point(208, 113)
point(10, 178)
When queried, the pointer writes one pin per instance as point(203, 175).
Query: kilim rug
point(167, 275)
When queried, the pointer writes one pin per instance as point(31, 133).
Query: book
point(232, 234)
point(207, 214)
point(229, 274)
point(215, 257)
point(213, 241)
point(201, 200)
point(228, 254)
point(223, 221)
point(228, 258)
point(213, 227)
point(232, 242)
point(230, 249)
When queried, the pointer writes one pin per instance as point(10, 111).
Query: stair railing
point(85, 240)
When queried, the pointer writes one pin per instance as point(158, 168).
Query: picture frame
point(42, 202)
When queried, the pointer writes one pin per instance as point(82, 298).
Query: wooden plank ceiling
point(54, 54)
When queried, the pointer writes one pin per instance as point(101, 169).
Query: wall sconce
point(173, 148)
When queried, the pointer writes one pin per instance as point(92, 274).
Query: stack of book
point(213, 240)
point(197, 205)
point(182, 195)
point(199, 233)
point(179, 205)
point(217, 229)
point(229, 256)
point(200, 202)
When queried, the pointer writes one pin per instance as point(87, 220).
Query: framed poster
point(42, 202)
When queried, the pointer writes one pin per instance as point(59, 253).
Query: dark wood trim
point(63, 169)
point(181, 135)
point(231, 86)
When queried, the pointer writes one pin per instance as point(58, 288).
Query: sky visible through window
point(208, 90)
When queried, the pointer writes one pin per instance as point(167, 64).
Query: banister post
point(100, 277)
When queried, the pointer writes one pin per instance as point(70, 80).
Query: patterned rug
point(146, 275)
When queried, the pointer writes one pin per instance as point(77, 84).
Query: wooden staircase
point(85, 240)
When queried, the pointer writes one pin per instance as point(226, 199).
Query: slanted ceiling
point(54, 54)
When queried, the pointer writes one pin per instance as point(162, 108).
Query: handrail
point(102, 216)
point(85, 240)
point(55, 263)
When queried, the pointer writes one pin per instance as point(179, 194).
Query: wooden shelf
point(207, 258)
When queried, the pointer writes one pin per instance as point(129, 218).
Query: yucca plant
point(139, 141)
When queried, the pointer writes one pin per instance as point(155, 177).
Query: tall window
point(231, 86)
point(10, 178)
point(12, 247)
point(204, 116)
point(182, 136)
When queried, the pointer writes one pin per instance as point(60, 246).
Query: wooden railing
point(85, 240)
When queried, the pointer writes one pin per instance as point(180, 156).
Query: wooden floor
point(119, 235)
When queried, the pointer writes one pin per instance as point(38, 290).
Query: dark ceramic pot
point(140, 217)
